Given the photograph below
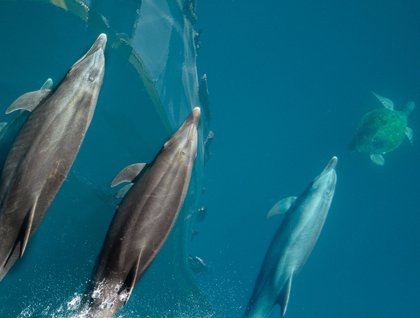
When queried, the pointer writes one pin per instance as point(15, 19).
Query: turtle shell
point(380, 131)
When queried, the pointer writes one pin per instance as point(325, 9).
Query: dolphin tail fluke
point(284, 296)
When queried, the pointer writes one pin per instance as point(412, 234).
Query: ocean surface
point(288, 83)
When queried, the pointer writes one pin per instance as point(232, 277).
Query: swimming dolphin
point(45, 149)
point(293, 242)
point(143, 220)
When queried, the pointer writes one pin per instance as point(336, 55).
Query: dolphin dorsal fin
point(29, 101)
point(386, 102)
point(281, 207)
point(128, 174)
point(284, 296)
point(131, 279)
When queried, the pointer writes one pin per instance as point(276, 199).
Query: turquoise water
point(288, 84)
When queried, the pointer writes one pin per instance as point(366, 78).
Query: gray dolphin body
point(10, 130)
point(44, 151)
point(142, 221)
point(292, 243)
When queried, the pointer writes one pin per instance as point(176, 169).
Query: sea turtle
point(382, 130)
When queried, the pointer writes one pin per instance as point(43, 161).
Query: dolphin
point(292, 243)
point(143, 220)
point(44, 150)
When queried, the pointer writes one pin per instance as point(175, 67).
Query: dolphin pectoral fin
point(48, 84)
point(377, 159)
point(284, 296)
point(128, 174)
point(386, 102)
point(123, 191)
point(29, 101)
point(408, 133)
point(2, 125)
point(130, 280)
point(281, 207)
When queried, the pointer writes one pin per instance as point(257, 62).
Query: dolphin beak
point(99, 44)
point(195, 115)
point(330, 165)
point(188, 130)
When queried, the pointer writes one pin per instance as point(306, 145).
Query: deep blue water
point(288, 83)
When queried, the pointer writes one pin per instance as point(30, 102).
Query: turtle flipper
point(409, 134)
point(388, 104)
point(377, 159)
point(409, 107)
